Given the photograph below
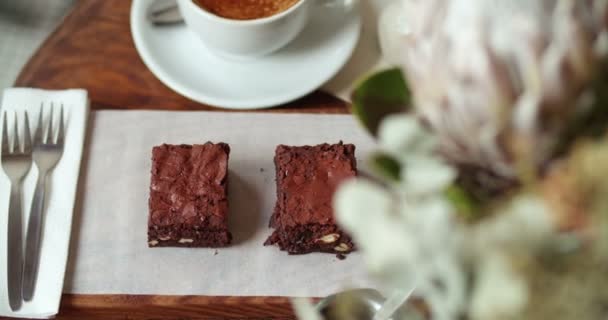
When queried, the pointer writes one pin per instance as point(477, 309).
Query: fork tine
point(38, 133)
point(16, 143)
point(27, 138)
point(5, 147)
point(49, 129)
point(60, 131)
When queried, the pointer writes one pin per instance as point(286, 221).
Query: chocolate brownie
point(307, 178)
point(188, 196)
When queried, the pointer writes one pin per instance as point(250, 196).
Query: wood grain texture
point(156, 307)
point(93, 49)
point(148, 307)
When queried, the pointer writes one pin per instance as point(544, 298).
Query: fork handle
point(15, 248)
point(32, 243)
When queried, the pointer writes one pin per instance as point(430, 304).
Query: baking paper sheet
point(109, 252)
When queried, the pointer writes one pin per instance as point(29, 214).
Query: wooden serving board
point(93, 49)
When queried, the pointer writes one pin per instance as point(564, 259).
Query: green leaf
point(386, 166)
point(464, 203)
point(379, 95)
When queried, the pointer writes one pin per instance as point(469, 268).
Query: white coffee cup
point(245, 38)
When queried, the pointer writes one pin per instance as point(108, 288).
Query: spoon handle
point(164, 12)
point(394, 302)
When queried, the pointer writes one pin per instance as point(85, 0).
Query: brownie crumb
point(341, 256)
point(261, 169)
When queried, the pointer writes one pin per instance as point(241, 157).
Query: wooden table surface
point(93, 49)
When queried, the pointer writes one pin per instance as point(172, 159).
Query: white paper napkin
point(61, 192)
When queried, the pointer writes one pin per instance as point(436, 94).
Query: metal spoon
point(364, 304)
point(395, 301)
point(164, 12)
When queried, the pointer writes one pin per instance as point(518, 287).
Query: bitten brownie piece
point(188, 196)
point(307, 178)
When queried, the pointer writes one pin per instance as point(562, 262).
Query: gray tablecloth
point(24, 24)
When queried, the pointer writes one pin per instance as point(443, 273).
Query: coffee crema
point(245, 9)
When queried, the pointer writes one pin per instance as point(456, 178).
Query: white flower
point(402, 135)
point(367, 211)
point(482, 72)
point(423, 172)
point(305, 310)
point(519, 228)
point(498, 292)
point(426, 175)
point(405, 243)
point(404, 230)
point(493, 82)
point(524, 224)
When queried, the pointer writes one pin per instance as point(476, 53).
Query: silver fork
point(47, 152)
point(16, 163)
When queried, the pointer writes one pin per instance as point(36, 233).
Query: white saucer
point(180, 60)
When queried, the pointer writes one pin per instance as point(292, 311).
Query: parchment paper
point(109, 252)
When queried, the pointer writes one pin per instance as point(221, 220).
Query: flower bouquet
point(489, 192)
